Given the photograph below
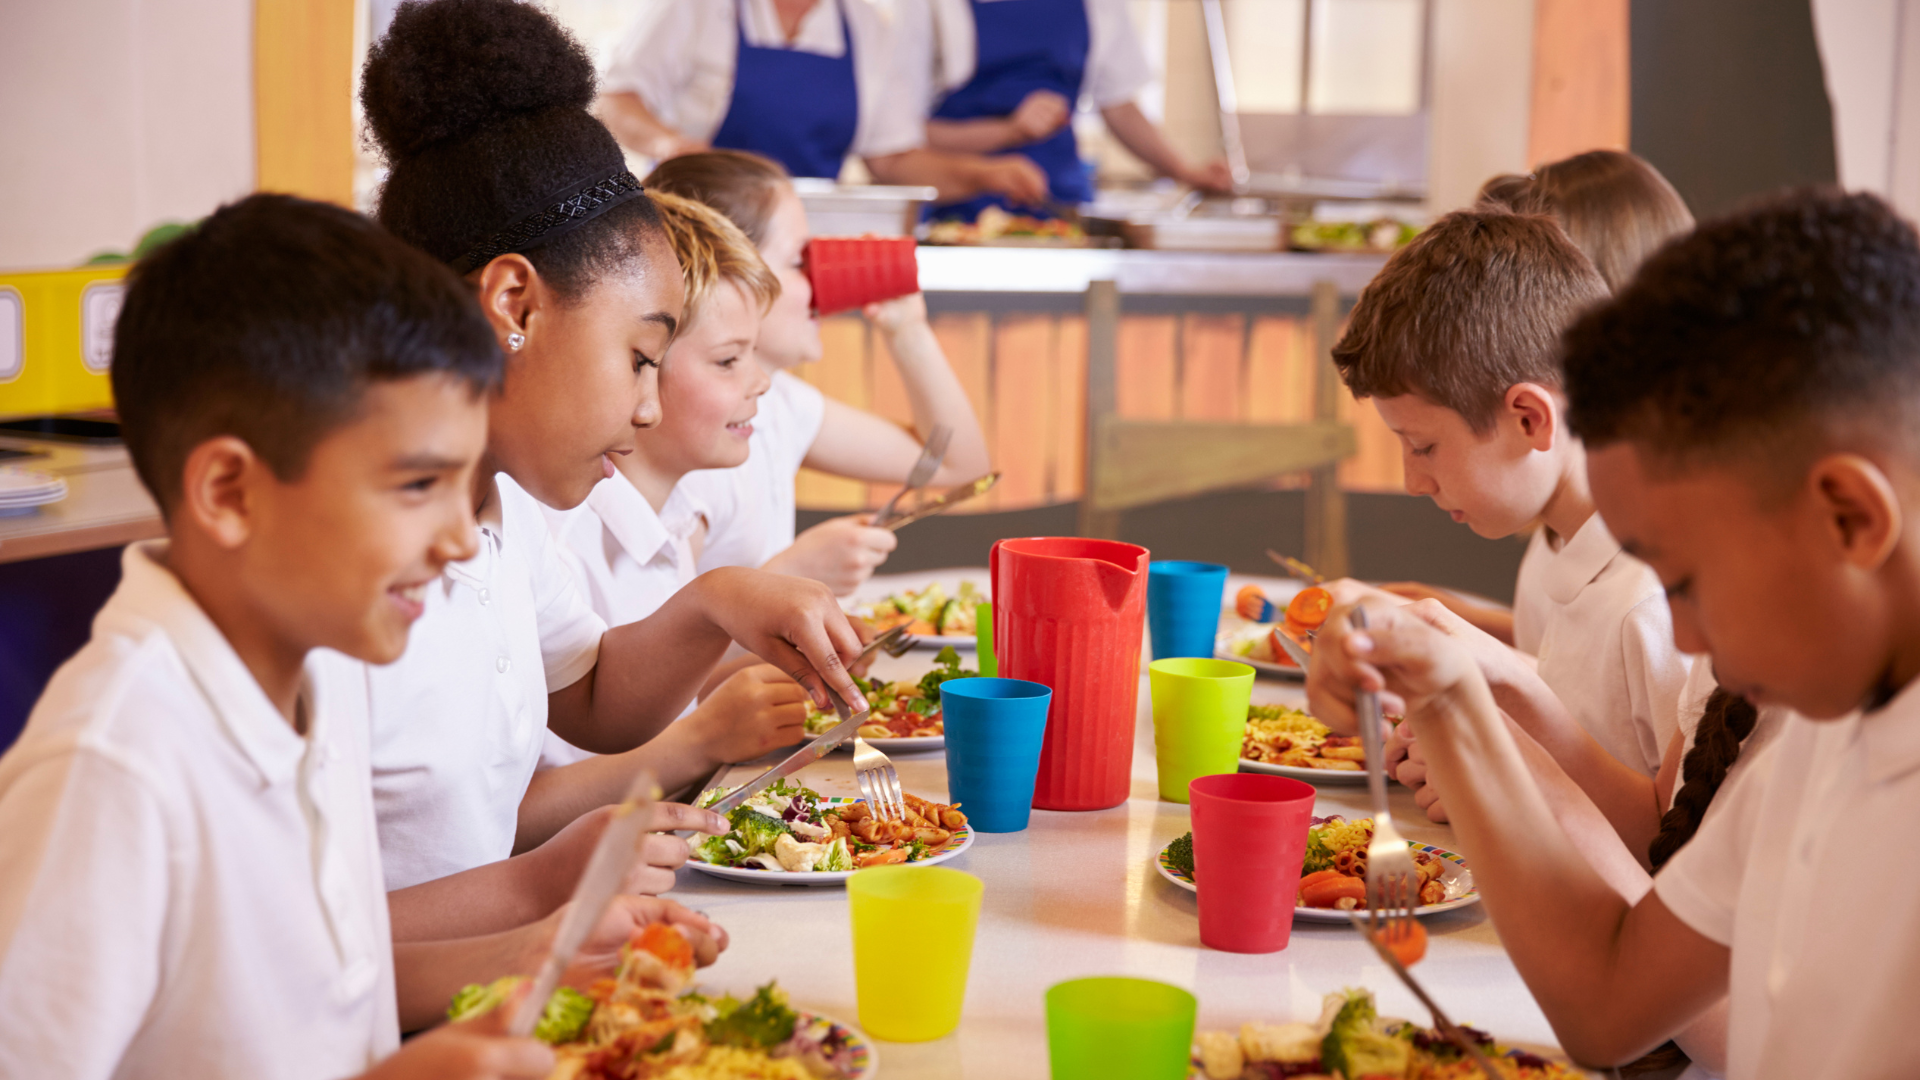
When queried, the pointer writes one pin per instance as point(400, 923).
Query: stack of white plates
point(24, 490)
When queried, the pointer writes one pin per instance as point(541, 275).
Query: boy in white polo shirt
point(192, 881)
point(1750, 403)
point(1457, 342)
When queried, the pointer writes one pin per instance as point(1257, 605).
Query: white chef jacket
point(1824, 928)
point(679, 57)
point(942, 30)
point(1606, 646)
point(459, 720)
point(751, 506)
point(190, 887)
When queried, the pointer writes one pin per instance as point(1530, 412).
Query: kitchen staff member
point(1006, 75)
point(804, 82)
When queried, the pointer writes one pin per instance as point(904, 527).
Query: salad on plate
point(900, 710)
point(930, 612)
point(791, 829)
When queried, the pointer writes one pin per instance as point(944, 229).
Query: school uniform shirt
point(460, 719)
point(942, 31)
point(679, 59)
point(1768, 722)
point(1824, 927)
point(191, 888)
point(1597, 619)
point(751, 506)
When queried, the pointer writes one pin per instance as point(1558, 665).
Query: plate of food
point(649, 1020)
point(935, 619)
point(1352, 1038)
point(906, 716)
point(1285, 741)
point(1250, 630)
point(1333, 877)
point(793, 835)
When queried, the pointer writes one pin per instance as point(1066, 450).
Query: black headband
point(573, 208)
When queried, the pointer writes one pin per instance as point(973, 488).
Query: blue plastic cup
point(994, 731)
point(1183, 607)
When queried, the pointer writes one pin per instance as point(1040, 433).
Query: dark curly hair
point(480, 109)
point(1754, 332)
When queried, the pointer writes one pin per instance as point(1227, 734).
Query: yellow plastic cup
point(1199, 719)
point(912, 943)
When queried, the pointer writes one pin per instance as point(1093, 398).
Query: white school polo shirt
point(459, 720)
point(1823, 922)
point(1604, 638)
point(751, 506)
point(626, 558)
point(941, 32)
point(190, 888)
point(1700, 685)
point(679, 59)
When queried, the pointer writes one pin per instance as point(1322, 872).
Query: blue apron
point(1023, 46)
point(799, 108)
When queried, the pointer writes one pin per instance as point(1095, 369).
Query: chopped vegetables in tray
point(901, 709)
point(996, 224)
point(929, 612)
point(1352, 1039)
point(1278, 735)
point(644, 1022)
point(786, 829)
point(1383, 234)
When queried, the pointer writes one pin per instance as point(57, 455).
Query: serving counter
point(1077, 894)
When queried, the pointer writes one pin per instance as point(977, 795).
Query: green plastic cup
point(1199, 719)
point(1119, 1029)
point(912, 942)
point(983, 640)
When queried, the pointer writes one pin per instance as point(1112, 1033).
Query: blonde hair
point(711, 250)
point(1616, 208)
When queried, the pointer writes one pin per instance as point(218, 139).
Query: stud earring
point(515, 340)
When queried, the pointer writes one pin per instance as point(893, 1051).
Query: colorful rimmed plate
point(1335, 777)
point(960, 842)
point(1453, 873)
point(866, 1060)
point(1235, 633)
point(906, 744)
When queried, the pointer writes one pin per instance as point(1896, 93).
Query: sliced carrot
point(1328, 893)
point(1407, 941)
point(663, 941)
point(1309, 607)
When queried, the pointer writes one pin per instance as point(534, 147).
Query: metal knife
point(606, 869)
point(849, 723)
point(1299, 655)
point(946, 500)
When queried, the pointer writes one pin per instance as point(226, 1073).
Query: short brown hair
point(712, 249)
point(1613, 205)
point(1473, 305)
point(743, 186)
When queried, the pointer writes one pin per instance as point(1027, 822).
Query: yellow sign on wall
point(56, 339)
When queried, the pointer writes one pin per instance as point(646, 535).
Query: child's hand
point(755, 710)
point(476, 1049)
point(891, 317)
point(1400, 656)
point(840, 553)
point(1348, 592)
point(1413, 773)
point(564, 858)
point(599, 955)
point(791, 623)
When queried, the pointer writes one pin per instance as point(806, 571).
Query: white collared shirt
point(1597, 618)
point(750, 507)
point(626, 558)
point(1824, 925)
point(941, 32)
point(191, 888)
point(459, 720)
point(679, 59)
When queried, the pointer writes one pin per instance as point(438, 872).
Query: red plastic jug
point(1069, 613)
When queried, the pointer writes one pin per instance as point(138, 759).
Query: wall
point(120, 114)
point(1482, 84)
point(1873, 80)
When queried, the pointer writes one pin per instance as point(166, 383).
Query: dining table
point(1078, 894)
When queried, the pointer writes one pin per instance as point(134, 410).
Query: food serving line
point(1078, 894)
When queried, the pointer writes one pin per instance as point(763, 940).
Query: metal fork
point(931, 456)
point(1445, 1026)
point(879, 783)
point(1393, 883)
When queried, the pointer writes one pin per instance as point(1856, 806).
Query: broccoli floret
point(474, 999)
point(1319, 855)
point(1356, 1047)
point(565, 1016)
point(762, 1021)
point(1180, 854)
point(714, 850)
point(946, 666)
point(917, 850)
point(757, 832)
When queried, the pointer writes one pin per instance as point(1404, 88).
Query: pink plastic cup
point(1249, 839)
point(852, 271)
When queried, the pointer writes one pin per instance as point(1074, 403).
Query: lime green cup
point(1119, 1029)
point(1199, 719)
point(912, 943)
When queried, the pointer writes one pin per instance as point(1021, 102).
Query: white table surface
point(1077, 894)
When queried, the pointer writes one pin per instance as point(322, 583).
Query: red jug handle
point(993, 586)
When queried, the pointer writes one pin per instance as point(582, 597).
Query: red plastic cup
point(1068, 613)
point(1249, 839)
point(853, 271)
